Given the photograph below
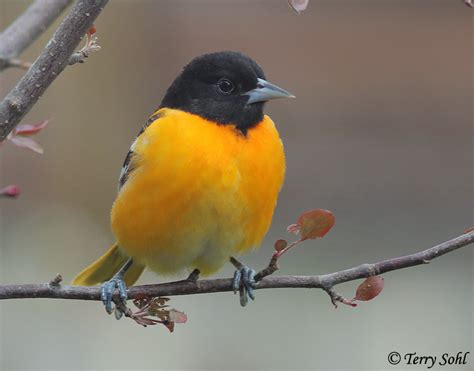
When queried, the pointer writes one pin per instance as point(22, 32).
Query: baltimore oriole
point(200, 182)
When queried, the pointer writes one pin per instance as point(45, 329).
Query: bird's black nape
point(213, 87)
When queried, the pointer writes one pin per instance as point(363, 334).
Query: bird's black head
point(224, 87)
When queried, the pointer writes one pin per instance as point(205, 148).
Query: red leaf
point(26, 142)
point(369, 289)
point(10, 191)
point(298, 5)
point(28, 129)
point(315, 223)
point(280, 245)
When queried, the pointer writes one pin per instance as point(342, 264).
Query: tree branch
point(26, 29)
point(53, 289)
point(51, 62)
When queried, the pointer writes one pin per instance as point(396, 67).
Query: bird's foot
point(107, 295)
point(244, 282)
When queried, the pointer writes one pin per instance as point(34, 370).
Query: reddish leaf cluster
point(317, 223)
point(20, 136)
point(153, 311)
point(310, 225)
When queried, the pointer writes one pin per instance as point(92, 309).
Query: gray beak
point(266, 91)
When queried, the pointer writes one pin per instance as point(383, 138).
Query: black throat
point(242, 116)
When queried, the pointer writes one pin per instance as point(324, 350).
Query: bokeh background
point(381, 134)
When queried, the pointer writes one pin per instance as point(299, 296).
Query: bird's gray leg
point(244, 281)
point(108, 290)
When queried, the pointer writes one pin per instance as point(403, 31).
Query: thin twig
point(186, 287)
point(27, 28)
point(52, 61)
point(336, 297)
point(271, 268)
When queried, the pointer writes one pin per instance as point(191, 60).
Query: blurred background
point(381, 134)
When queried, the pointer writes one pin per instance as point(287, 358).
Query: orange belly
point(200, 192)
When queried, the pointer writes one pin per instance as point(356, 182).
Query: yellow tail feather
point(106, 266)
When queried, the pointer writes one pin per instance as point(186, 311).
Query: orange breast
point(200, 192)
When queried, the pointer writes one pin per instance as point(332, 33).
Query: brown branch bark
point(27, 28)
point(53, 289)
point(51, 62)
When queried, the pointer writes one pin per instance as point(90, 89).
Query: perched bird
point(201, 180)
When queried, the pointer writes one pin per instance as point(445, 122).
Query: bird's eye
point(225, 86)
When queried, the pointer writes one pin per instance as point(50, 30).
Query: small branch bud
point(56, 281)
point(90, 46)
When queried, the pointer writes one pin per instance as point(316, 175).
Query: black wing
point(129, 165)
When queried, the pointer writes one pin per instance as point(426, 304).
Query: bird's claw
point(244, 282)
point(107, 295)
